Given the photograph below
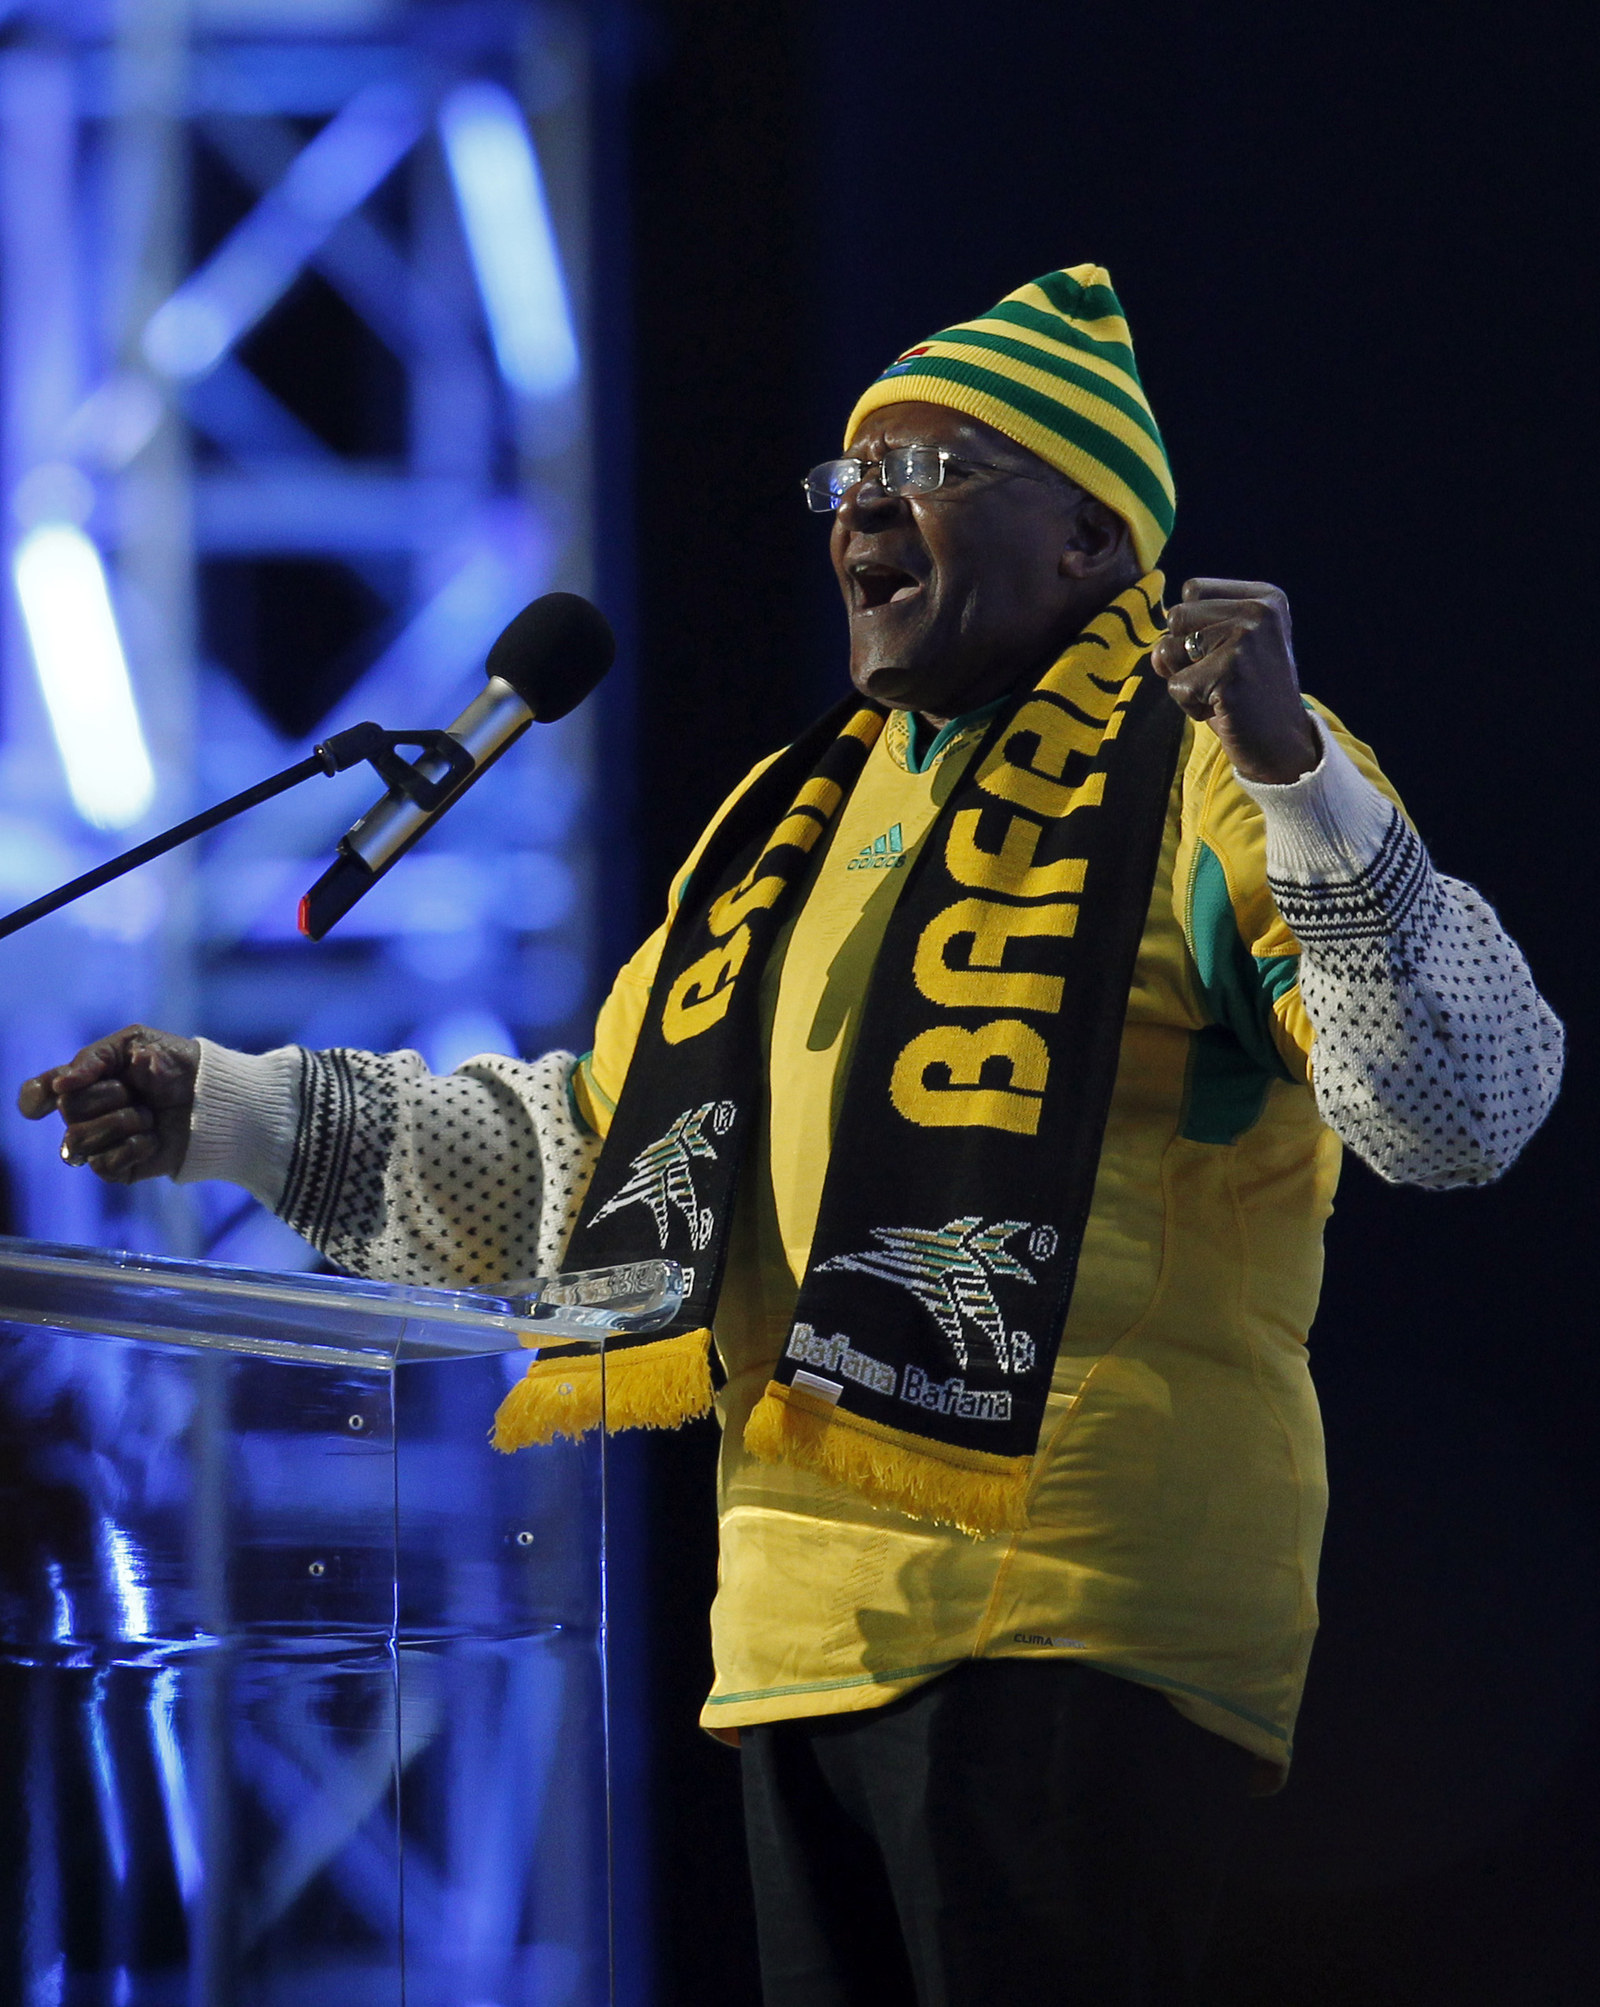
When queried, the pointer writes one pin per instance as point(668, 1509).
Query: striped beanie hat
point(1051, 367)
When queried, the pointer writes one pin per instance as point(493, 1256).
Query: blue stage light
point(501, 195)
point(84, 676)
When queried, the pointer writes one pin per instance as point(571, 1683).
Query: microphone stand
point(346, 749)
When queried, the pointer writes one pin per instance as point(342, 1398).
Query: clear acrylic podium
point(302, 1688)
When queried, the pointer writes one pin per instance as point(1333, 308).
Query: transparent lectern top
point(325, 1319)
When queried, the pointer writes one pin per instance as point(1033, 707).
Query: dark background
point(1349, 242)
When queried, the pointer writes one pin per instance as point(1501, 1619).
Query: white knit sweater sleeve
point(1435, 1057)
point(467, 1180)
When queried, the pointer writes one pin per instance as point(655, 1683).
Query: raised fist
point(1228, 662)
point(126, 1101)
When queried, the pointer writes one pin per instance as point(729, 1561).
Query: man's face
point(955, 595)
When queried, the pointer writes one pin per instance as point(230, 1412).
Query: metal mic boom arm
point(364, 742)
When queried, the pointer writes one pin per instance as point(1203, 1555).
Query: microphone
point(543, 665)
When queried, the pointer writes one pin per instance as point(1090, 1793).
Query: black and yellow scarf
point(947, 1240)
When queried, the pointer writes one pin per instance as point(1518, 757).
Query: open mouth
point(882, 585)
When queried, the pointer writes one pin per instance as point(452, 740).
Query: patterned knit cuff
point(349, 1112)
point(246, 1113)
point(1343, 864)
point(1329, 825)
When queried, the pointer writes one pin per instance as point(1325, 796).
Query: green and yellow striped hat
point(1051, 367)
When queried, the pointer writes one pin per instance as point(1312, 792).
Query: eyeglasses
point(903, 470)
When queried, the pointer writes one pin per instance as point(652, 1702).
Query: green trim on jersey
point(920, 757)
point(1236, 1058)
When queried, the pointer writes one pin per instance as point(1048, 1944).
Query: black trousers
point(1017, 1831)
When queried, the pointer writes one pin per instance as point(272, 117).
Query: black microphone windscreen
point(554, 653)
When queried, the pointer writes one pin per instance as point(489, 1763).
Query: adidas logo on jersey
point(884, 853)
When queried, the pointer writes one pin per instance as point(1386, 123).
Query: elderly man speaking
point(989, 1076)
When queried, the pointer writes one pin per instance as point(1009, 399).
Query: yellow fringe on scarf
point(653, 1386)
point(979, 1494)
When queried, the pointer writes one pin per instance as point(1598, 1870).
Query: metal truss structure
point(292, 420)
point(294, 416)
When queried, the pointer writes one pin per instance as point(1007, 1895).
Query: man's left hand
point(1241, 679)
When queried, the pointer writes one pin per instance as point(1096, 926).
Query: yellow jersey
point(1177, 1498)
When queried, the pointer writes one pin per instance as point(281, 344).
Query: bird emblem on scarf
point(948, 1270)
point(662, 1177)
